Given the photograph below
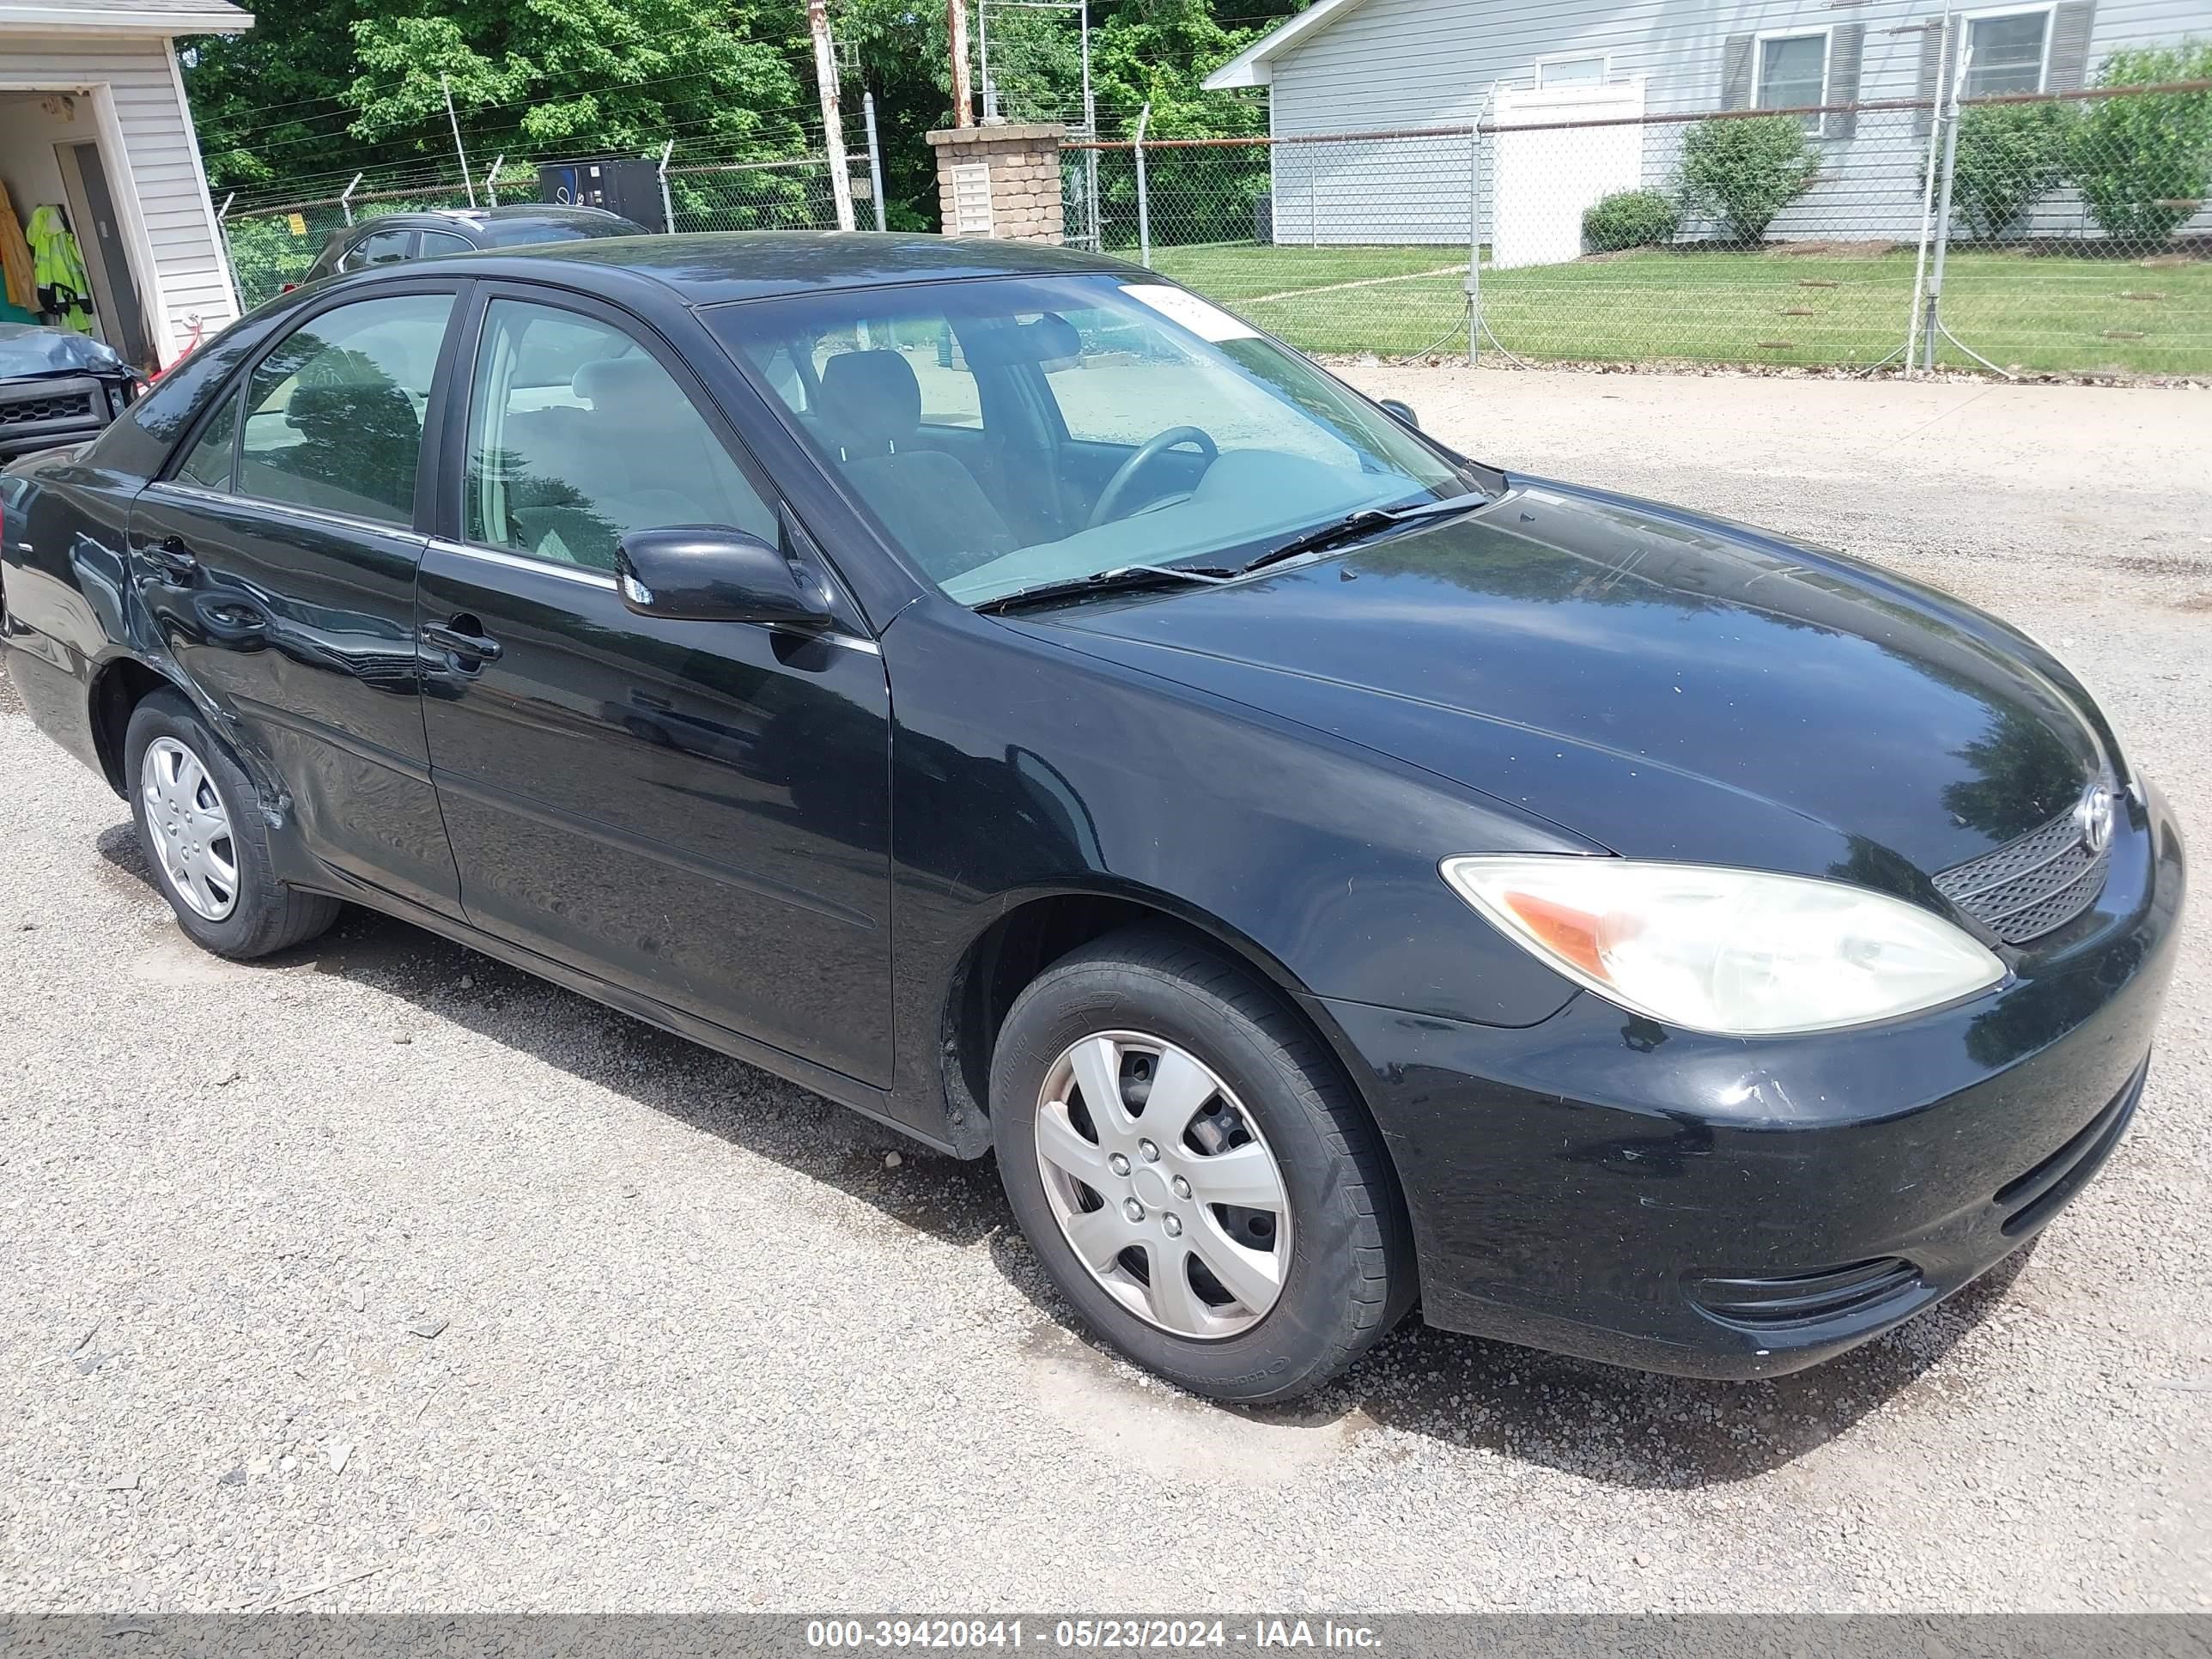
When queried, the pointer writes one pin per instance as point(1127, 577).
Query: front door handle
point(172, 557)
point(465, 637)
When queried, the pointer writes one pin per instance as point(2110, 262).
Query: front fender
point(1022, 768)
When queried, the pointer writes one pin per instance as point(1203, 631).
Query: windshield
point(1009, 433)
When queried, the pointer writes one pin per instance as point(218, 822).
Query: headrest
point(871, 398)
point(1049, 338)
point(614, 382)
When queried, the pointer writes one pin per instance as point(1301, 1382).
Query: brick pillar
point(1000, 181)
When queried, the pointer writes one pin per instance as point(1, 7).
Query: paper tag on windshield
point(1207, 320)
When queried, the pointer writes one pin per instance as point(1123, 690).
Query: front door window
point(577, 435)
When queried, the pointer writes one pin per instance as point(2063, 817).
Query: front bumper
point(1603, 1186)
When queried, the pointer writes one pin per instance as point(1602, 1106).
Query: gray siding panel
point(1390, 64)
point(156, 168)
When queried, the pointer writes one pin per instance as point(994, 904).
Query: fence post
point(491, 181)
point(667, 210)
point(1948, 119)
point(1313, 196)
point(1096, 242)
point(1144, 201)
point(345, 199)
point(1474, 241)
point(875, 155)
point(447, 86)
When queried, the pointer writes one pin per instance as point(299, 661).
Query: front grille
point(2040, 1194)
point(32, 409)
point(1800, 1299)
point(2031, 884)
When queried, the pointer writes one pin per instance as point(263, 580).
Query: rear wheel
point(1194, 1172)
point(208, 846)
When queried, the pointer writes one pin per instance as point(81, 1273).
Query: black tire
point(266, 914)
point(1351, 1271)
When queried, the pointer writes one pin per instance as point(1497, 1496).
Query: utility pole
point(447, 87)
point(833, 124)
point(956, 27)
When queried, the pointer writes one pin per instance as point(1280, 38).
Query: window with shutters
point(1792, 71)
point(2006, 52)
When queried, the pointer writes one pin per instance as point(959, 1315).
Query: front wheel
point(1194, 1172)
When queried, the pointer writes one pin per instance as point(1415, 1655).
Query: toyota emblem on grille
point(2092, 818)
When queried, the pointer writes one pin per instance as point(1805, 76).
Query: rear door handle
point(172, 557)
point(464, 637)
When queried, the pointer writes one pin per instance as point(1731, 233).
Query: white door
point(1544, 178)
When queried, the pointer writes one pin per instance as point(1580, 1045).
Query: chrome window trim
point(320, 515)
point(571, 573)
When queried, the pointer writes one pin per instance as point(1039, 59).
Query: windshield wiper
point(1127, 578)
point(1365, 522)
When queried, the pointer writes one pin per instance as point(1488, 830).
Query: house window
point(1572, 72)
point(2005, 53)
point(1793, 71)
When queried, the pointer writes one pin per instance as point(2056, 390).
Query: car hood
point(1665, 685)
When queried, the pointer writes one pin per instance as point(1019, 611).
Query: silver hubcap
point(1163, 1186)
point(191, 830)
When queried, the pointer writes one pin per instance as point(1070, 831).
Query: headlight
point(1735, 952)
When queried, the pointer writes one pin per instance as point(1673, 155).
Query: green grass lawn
point(2022, 311)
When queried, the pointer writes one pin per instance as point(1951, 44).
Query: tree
point(2010, 154)
point(315, 91)
point(1745, 170)
point(2144, 163)
point(560, 75)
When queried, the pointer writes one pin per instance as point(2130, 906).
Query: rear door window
point(210, 463)
point(334, 412)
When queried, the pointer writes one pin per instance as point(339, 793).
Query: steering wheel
point(1125, 476)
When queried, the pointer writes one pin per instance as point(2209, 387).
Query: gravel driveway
point(382, 1276)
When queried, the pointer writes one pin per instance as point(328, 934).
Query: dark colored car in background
point(394, 237)
point(1328, 872)
point(57, 387)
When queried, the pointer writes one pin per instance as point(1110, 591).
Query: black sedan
point(391, 238)
point(994, 687)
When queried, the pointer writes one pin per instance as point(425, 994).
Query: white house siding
point(189, 286)
point(1399, 64)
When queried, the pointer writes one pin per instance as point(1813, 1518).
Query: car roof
point(475, 219)
point(714, 268)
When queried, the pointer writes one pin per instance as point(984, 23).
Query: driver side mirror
point(711, 573)
point(1402, 412)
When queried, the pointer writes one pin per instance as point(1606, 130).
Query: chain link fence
point(273, 243)
point(2066, 234)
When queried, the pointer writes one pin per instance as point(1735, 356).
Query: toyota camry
point(998, 689)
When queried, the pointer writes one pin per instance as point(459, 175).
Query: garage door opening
point(60, 196)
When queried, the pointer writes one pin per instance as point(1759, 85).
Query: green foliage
point(560, 75)
point(2008, 155)
point(319, 88)
point(2143, 163)
point(1744, 172)
point(1629, 218)
point(266, 255)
